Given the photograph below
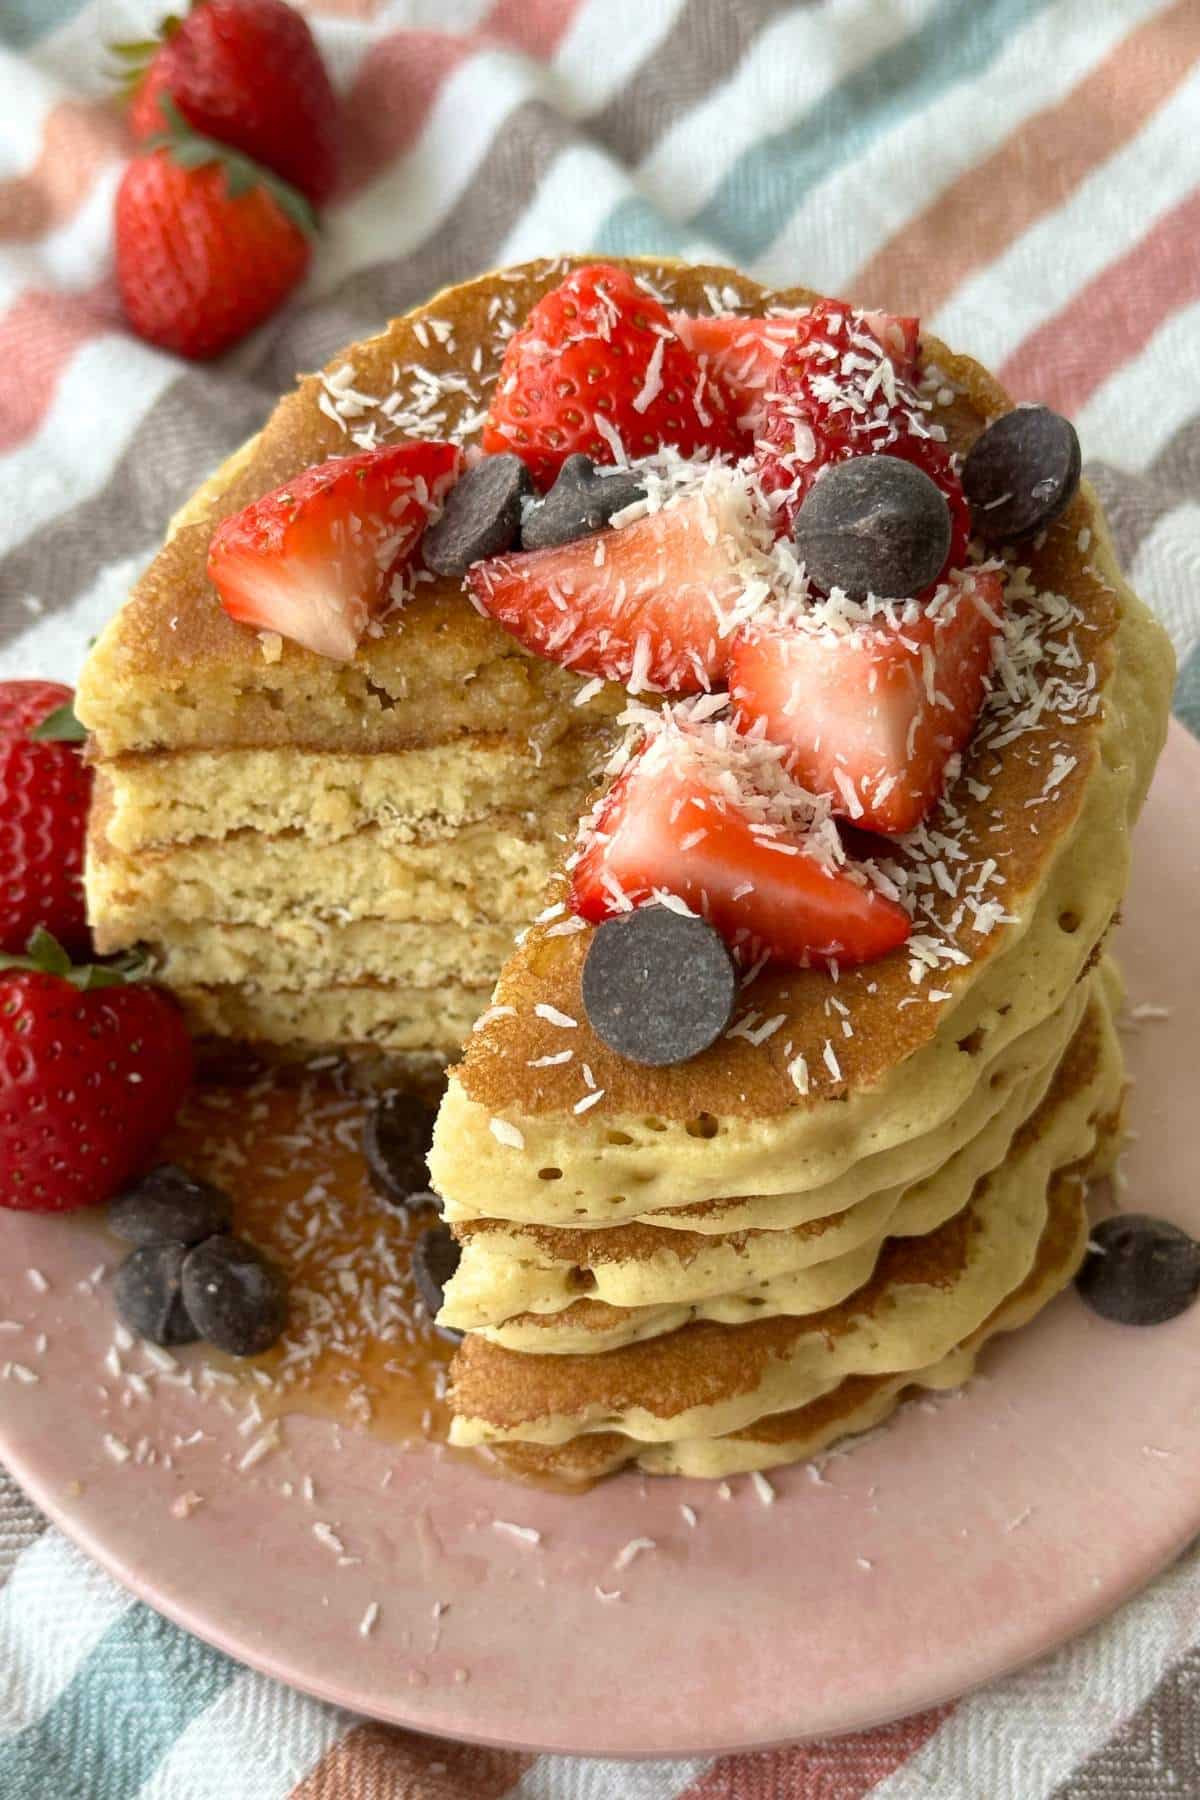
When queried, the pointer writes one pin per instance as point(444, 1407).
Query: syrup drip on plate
point(359, 1346)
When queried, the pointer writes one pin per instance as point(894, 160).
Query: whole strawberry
point(208, 244)
point(248, 73)
point(45, 790)
point(93, 1065)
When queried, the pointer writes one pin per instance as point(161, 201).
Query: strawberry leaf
point(192, 150)
point(60, 726)
point(46, 956)
point(139, 51)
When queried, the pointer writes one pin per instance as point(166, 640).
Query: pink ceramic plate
point(977, 1532)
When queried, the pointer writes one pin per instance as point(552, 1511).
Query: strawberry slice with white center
point(669, 826)
point(314, 559)
point(872, 715)
point(651, 604)
point(744, 353)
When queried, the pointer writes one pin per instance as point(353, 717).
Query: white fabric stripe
point(403, 205)
point(29, 94)
point(580, 189)
point(56, 645)
point(604, 45)
point(74, 255)
point(1166, 572)
point(553, 1777)
point(1107, 214)
point(257, 1735)
point(785, 71)
point(1129, 419)
point(1026, 1734)
point(54, 1609)
point(101, 398)
point(459, 16)
point(848, 217)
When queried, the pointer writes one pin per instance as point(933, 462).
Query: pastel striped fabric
point(1026, 175)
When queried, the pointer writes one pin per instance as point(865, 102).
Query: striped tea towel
point(1023, 173)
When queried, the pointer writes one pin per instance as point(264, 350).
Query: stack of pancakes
point(711, 1267)
point(318, 855)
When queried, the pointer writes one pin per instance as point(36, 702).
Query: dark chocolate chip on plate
point(1139, 1270)
point(658, 986)
point(1020, 473)
point(582, 500)
point(435, 1257)
point(396, 1140)
point(481, 517)
point(148, 1294)
point(237, 1299)
point(169, 1206)
point(873, 525)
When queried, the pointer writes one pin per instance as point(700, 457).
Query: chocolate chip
point(1020, 473)
point(147, 1293)
point(582, 500)
point(658, 986)
point(874, 525)
point(396, 1140)
point(236, 1298)
point(435, 1257)
point(481, 517)
point(1139, 1270)
point(169, 1206)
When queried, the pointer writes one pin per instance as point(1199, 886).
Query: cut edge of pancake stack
point(702, 1269)
point(323, 857)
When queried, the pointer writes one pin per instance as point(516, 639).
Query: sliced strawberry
point(313, 560)
point(900, 335)
point(597, 363)
point(845, 388)
point(668, 825)
point(744, 353)
point(648, 604)
point(872, 715)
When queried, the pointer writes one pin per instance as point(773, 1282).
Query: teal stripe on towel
point(109, 1729)
point(1187, 692)
point(23, 22)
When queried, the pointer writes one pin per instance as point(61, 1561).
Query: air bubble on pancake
point(1069, 921)
point(703, 1126)
point(549, 1174)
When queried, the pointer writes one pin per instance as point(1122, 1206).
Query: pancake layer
point(715, 1396)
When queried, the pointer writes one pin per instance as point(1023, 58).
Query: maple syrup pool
point(359, 1346)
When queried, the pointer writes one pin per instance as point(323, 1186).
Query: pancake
point(855, 1406)
point(589, 1326)
point(927, 1297)
point(505, 1270)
